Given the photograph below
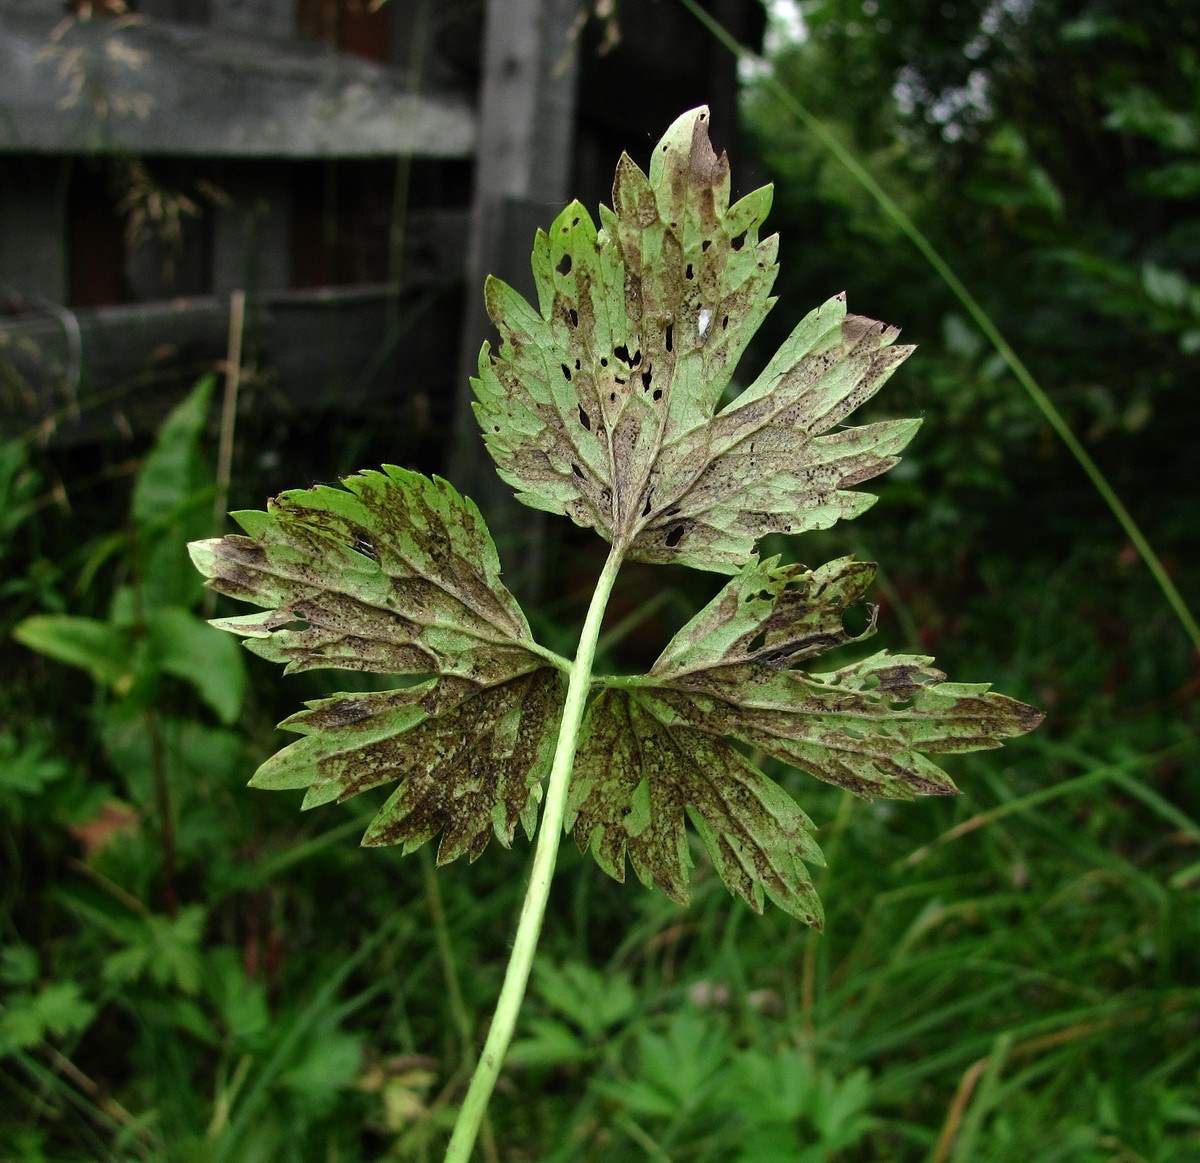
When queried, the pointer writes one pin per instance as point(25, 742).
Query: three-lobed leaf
point(601, 402)
point(397, 574)
point(658, 747)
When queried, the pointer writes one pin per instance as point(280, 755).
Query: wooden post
point(522, 169)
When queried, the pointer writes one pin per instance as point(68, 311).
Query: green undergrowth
point(1006, 975)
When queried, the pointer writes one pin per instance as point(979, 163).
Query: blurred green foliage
point(1050, 151)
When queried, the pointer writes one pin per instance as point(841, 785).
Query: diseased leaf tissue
point(603, 403)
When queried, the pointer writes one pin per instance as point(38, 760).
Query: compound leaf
point(397, 574)
point(612, 401)
point(600, 402)
point(659, 746)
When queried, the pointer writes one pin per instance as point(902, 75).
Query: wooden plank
point(133, 86)
point(80, 376)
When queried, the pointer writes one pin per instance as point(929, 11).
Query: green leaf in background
point(174, 472)
point(172, 503)
point(179, 644)
point(18, 964)
point(241, 1001)
point(18, 489)
point(105, 651)
point(593, 1000)
point(396, 574)
point(185, 646)
point(679, 1069)
point(56, 1010)
point(165, 950)
point(600, 402)
point(327, 1063)
point(25, 769)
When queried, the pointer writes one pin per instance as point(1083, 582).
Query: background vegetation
point(194, 971)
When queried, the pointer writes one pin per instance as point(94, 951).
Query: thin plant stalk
point(896, 215)
point(458, 1010)
point(533, 909)
point(233, 378)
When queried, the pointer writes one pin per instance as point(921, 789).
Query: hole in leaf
point(674, 537)
point(856, 620)
point(577, 470)
point(724, 322)
point(566, 372)
point(647, 376)
point(618, 379)
point(657, 394)
point(737, 242)
point(604, 361)
point(669, 335)
point(757, 642)
point(574, 317)
point(585, 419)
point(646, 507)
point(687, 274)
point(706, 244)
point(564, 265)
point(612, 399)
point(622, 353)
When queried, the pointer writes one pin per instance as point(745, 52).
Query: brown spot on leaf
point(706, 168)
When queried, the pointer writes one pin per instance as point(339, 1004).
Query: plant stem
point(533, 910)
